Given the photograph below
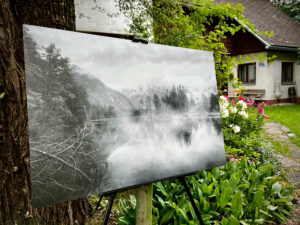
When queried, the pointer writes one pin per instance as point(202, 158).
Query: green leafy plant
point(127, 211)
point(240, 191)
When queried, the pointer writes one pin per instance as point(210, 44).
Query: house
point(267, 81)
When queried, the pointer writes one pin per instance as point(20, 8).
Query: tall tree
point(156, 102)
point(15, 189)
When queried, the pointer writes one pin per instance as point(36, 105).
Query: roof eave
point(282, 48)
point(266, 44)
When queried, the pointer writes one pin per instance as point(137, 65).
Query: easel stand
point(108, 207)
point(187, 190)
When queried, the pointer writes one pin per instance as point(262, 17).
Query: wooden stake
point(144, 205)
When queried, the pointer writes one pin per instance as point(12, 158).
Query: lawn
point(286, 115)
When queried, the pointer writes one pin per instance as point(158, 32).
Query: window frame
point(284, 82)
point(247, 73)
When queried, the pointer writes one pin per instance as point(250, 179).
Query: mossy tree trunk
point(15, 192)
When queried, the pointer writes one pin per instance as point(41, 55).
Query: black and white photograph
point(108, 114)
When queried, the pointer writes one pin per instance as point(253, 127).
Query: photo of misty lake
point(107, 114)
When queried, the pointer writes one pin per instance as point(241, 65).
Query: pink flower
point(251, 162)
point(233, 103)
point(261, 110)
point(266, 116)
point(233, 159)
point(262, 104)
point(225, 96)
point(241, 98)
point(250, 102)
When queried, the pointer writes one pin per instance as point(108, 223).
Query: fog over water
point(154, 149)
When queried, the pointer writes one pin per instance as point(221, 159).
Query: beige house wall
point(261, 71)
point(274, 74)
point(269, 73)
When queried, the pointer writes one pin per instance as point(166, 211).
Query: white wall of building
point(261, 71)
point(274, 73)
point(267, 74)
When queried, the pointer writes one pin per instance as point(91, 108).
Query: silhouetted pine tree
point(156, 102)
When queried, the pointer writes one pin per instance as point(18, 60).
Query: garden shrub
point(240, 191)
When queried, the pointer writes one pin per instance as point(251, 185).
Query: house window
point(287, 72)
point(247, 73)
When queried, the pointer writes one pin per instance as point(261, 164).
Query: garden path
point(290, 161)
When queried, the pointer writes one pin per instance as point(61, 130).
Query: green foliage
point(238, 192)
point(281, 148)
point(286, 115)
point(127, 211)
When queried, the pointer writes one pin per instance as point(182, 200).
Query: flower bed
point(247, 190)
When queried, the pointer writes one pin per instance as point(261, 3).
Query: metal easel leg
point(187, 190)
point(108, 208)
point(98, 203)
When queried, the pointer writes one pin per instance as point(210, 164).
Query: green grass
point(281, 148)
point(286, 115)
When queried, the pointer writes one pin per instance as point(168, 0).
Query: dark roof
point(267, 17)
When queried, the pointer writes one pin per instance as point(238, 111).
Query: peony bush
point(235, 116)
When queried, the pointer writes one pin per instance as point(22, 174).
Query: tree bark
point(15, 189)
point(144, 205)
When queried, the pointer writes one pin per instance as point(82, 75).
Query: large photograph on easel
point(107, 114)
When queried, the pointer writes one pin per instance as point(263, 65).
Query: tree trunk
point(15, 190)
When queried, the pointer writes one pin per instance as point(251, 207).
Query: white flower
point(244, 114)
point(232, 109)
point(240, 102)
point(222, 98)
point(243, 104)
point(224, 105)
point(224, 113)
point(236, 129)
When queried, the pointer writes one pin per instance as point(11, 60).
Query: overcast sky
point(122, 64)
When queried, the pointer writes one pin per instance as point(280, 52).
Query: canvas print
point(107, 114)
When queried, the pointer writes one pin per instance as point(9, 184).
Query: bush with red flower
point(236, 118)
